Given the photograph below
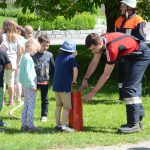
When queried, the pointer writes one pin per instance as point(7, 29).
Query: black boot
point(127, 114)
point(142, 114)
point(133, 122)
point(126, 125)
point(120, 95)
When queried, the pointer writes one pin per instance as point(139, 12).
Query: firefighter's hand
point(89, 96)
point(84, 84)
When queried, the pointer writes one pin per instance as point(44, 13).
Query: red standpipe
point(76, 113)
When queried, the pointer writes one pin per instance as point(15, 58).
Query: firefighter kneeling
point(120, 45)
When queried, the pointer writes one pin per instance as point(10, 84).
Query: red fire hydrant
point(76, 113)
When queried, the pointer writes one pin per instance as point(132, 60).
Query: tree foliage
point(144, 9)
point(50, 9)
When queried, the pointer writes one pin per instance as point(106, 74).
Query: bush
point(84, 57)
point(82, 21)
point(10, 12)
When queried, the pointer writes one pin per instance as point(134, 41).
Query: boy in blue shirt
point(65, 75)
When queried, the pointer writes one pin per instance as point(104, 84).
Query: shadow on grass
point(9, 118)
point(52, 99)
point(106, 102)
point(100, 130)
point(18, 131)
point(50, 130)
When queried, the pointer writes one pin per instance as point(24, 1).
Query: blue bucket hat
point(68, 46)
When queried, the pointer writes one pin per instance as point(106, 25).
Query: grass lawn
point(101, 119)
point(102, 116)
point(2, 18)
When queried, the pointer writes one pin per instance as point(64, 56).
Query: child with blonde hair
point(12, 45)
point(28, 79)
point(28, 31)
point(18, 87)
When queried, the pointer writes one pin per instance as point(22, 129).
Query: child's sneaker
point(44, 119)
point(66, 129)
point(20, 102)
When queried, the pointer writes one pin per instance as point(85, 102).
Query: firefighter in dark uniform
point(136, 55)
point(132, 24)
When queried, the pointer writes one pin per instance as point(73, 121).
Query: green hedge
point(83, 21)
point(10, 12)
point(84, 57)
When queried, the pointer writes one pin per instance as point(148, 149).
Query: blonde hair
point(10, 28)
point(32, 45)
point(28, 30)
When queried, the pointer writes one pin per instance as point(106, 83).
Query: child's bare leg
point(65, 116)
point(18, 91)
point(11, 94)
point(58, 115)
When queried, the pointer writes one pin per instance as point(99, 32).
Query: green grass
point(101, 119)
point(2, 18)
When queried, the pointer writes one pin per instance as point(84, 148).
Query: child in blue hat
point(65, 76)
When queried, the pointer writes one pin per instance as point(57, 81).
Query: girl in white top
point(13, 48)
point(18, 86)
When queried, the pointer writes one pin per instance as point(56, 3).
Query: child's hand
point(34, 89)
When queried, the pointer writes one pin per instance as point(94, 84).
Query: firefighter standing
point(137, 58)
point(132, 24)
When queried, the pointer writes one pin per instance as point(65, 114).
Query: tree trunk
point(111, 18)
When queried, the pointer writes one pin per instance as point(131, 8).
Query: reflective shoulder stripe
point(117, 39)
point(133, 100)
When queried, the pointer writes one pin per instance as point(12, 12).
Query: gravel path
point(145, 145)
point(138, 146)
